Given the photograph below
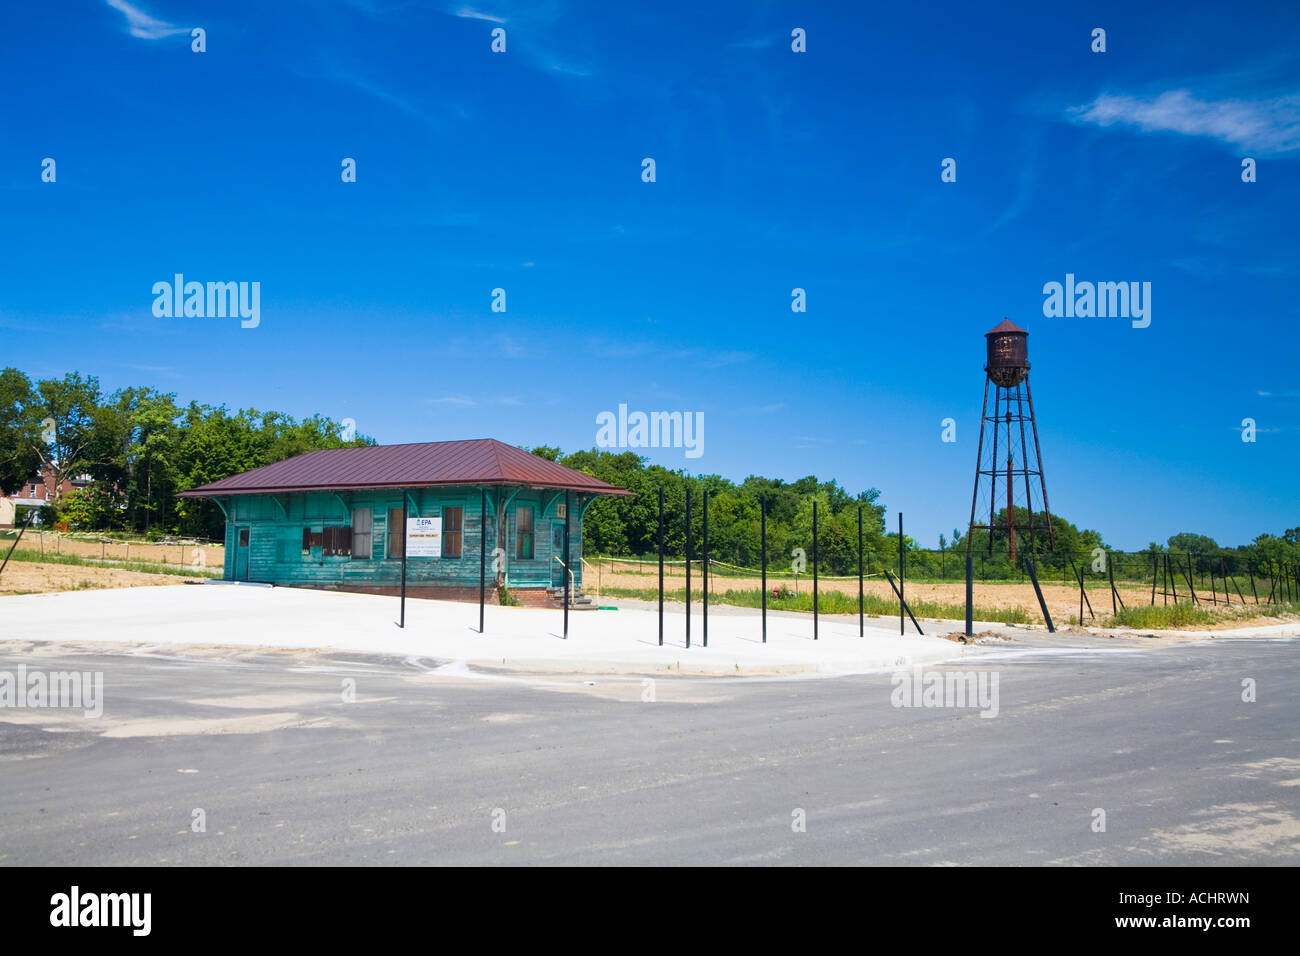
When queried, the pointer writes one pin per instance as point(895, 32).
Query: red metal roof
point(480, 461)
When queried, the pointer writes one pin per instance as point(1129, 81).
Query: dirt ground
point(22, 577)
point(213, 556)
point(1062, 601)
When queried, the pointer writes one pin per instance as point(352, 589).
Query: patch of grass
point(831, 602)
point(1160, 616)
point(144, 567)
point(506, 599)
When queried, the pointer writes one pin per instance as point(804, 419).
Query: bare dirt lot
point(1062, 600)
point(211, 556)
point(23, 577)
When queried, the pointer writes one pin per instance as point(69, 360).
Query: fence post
point(704, 569)
point(814, 569)
point(862, 627)
point(661, 565)
point(970, 629)
point(901, 603)
point(762, 506)
point(688, 566)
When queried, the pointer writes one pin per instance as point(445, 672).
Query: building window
point(451, 531)
point(243, 537)
point(336, 542)
point(362, 525)
point(395, 532)
point(524, 532)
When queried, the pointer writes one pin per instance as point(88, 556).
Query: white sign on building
point(424, 537)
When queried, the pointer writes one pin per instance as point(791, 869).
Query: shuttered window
point(395, 531)
point(452, 531)
point(524, 532)
point(362, 525)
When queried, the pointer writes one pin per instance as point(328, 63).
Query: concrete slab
point(600, 642)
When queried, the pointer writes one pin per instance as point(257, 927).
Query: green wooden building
point(333, 519)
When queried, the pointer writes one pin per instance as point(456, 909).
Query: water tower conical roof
point(1006, 325)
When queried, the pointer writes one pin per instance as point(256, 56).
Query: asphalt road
point(431, 768)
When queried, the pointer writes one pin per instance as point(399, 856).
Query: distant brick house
point(37, 492)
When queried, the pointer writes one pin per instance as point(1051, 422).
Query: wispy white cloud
point(1262, 125)
point(470, 13)
point(460, 401)
point(140, 24)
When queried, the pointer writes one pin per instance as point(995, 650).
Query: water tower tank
point(1008, 354)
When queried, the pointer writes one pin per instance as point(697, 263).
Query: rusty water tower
point(1007, 370)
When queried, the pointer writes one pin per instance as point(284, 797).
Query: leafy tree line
point(139, 448)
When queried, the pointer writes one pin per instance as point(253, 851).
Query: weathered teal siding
point(275, 524)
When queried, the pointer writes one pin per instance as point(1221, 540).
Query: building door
point(241, 555)
point(557, 549)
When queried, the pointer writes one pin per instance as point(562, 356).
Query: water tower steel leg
point(993, 466)
point(1038, 454)
point(979, 460)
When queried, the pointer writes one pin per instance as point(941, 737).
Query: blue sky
point(774, 170)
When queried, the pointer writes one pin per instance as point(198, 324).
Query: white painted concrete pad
point(622, 641)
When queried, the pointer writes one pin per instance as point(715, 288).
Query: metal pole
point(901, 605)
point(661, 565)
point(979, 457)
point(1033, 576)
point(688, 566)
point(1110, 573)
point(814, 569)
point(1173, 578)
point(1251, 572)
point(993, 466)
point(970, 588)
point(1038, 455)
point(402, 623)
point(862, 625)
point(1155, 573)
point(482, 555)
point(31, 513)
point(1190, 574)
point(704, 569)
point(762, 507)
point(568, 575)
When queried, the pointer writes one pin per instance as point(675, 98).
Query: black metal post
point(688, 566)
point(1033, 576)
point(1191, 572)
point(1110, 573)
point(482, 556)
point(1251, 572)
point(901, 606)
point(568, 575)
point(31, 513)
point(661, 566)
point(762, 506)
point(402, 623)
point(704, 570)
point(970, 590)
point(814, 569)
point(1155, 573)
point(901, 602)
point(862, 625)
